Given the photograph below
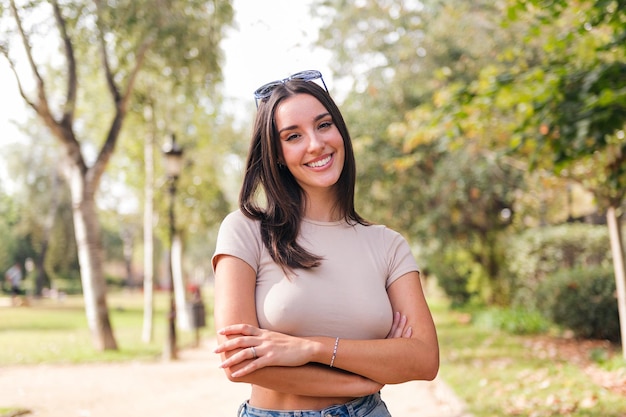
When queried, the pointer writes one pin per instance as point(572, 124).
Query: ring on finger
point(254, 355)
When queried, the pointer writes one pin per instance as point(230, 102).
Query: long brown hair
point(281, 216)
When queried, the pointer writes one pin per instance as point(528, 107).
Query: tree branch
point(62, 131)
point(41, 106)
point(121, 105)
point(72, 81)
point(20, 87)
point(108, 73)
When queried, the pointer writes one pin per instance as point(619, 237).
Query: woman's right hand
point(399, 327)
point(257, 348)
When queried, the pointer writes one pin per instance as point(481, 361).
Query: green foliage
point(165, 58)
point(500, 374)
point(8, 218)
point(582, 300)
point(454, 271)
point(514, 321)
point(417, 172)
point(573, 89)
point(536, 254)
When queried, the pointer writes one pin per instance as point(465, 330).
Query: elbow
point(231, 378)
point(432, 368)
point(420, 371)
point(431, 371)
point(428, 369)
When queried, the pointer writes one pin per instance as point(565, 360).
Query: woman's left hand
point(399, 327)
point(262, 348)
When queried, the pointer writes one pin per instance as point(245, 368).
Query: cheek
point(290, 155)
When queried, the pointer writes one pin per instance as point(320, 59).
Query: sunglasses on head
point(266, 90)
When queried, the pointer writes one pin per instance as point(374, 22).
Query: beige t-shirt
point(344, 297)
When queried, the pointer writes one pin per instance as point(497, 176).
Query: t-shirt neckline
point(323, 223)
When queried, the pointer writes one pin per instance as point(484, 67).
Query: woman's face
point(312, 147)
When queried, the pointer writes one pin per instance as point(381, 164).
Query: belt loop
point(350, 410)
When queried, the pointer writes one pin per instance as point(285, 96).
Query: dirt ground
point(192, 386)
point(580, 353)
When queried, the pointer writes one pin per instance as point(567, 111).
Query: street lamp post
point(173, 165)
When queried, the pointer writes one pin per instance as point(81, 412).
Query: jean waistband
point(359, 407)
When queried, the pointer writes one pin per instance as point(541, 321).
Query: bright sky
point(271, 40)
point(274, 39)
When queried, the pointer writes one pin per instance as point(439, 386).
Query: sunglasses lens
point(266, 90)
point(306, 75)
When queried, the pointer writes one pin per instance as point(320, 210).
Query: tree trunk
point(41, 277)
point(89, 244)
point(617, 250)
point(128, 248)
point(148, 241)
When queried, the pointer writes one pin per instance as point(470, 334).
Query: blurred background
point(489, 133)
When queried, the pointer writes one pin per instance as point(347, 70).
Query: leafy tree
point(9, 216)
point(44, 201)
point(421, 174)
point(554, 101)
point(180, 38)
point(571, 102)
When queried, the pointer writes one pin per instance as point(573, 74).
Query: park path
point(192, 386)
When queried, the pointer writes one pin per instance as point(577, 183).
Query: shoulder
point(379, 231)
point(236, 219)
point(238, 229)
point(391, 242)
point(239, 236)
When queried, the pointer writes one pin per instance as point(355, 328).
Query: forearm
point(313, 380)
point(387, 361)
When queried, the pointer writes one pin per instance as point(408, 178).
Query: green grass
point(51, 331)
point(497, 373)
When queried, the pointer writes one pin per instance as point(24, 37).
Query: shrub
point(542, 252)
point(582, 300)
point(516, 321)
point(455, 273)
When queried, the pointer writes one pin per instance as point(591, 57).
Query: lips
point(320, 162)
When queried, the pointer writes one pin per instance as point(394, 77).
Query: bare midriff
point(274, 400)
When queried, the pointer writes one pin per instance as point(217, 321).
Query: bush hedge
point(539, 253)
point(582, 300)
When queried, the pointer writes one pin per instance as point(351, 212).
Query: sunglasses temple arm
point(325, 88)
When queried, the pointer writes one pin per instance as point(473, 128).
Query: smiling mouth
point(319, 163)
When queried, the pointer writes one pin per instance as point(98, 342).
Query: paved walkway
point(193, 386)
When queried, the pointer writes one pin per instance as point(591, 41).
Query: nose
point(316, 143)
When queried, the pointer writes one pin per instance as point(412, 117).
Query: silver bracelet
point(332, 361)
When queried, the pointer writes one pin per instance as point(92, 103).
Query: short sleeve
point(240, 237)
point(399, 257)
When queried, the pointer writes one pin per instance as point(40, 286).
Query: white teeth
point(320, 163)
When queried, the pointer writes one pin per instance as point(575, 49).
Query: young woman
point(315, 307)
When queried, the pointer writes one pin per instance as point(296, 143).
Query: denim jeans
point(370, 406)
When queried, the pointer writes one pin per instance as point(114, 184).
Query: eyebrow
point(317, 118)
